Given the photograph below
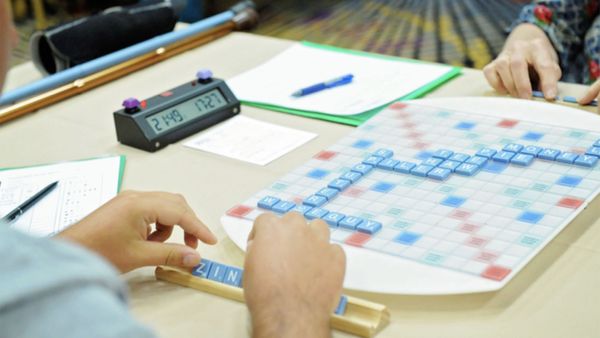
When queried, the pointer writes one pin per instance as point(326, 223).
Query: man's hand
point(293, 277)
point(121, 231)
point(527, 50)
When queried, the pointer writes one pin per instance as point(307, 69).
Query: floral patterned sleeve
point(571, 26)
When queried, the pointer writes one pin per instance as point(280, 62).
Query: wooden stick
point(362, 318)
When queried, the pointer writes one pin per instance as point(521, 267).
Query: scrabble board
point(430, 200)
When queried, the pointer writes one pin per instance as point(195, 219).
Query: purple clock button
point(204, 75)
point(131, 103)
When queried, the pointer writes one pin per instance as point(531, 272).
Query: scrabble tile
point(217, 272)
point(325, 155)
point(362, 144)
point(478, 160)
point(440, 174)
point(421, 170)
point(350, 222)
point(566, 157)
point(450, 165)
point(268, 202)
point(385, 153)
point(597, 143)
point(317, 173)
point(531, 150)
point(369, 227)
point(538, 94)
point(383, 187)
point(333, 218)
point(233, 276)
point(202, 269)
point(339, 184)
point(432, 161)
point(351, 176)
point(453, 201)
point(362, 168)
point(569, 180)
point(465, 125)
point(594, 151)
point(467, 169)
point(522, 159)
point(443, 154)
point(549, 154)
point(328, 193)
point(372, 160)
point(503, 156)
point(388, 164)
point(459, 157)
point(239, 211)
point(530, 217)
point(496, 273)
point(529, 240)
point(283, 207)
point(586, 161)
point(315, 201)
point(407, 238)
point(513, 147)
point(357, 239)
point(486, 152)
point(315, 213)
point(569, 99)
point(341, 307)
point(302, 209)
point(532, 136)
point(404, 167)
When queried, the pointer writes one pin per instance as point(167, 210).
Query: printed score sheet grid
point(250, 140)
point(83, 187)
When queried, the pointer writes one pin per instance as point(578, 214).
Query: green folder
point(358, 119)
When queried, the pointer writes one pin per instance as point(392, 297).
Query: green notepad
point(358, 119)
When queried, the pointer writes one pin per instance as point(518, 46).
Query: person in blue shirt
point(68, 286)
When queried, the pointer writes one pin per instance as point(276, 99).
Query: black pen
point(13, 215)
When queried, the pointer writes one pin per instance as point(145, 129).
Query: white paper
point(376, 81)
point(83, 187)
point(250, 140)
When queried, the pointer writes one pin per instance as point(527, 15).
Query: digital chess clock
point(154, 123)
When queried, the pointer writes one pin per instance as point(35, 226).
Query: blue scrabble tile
point(569, 180)
point(341, 308)
point(268, 202)
point(531, 150)
point(459, 157)
point(478, 160)
point(453, 201)
point(316, 213)
point(570, 99)
point(233, 276)
point(385, 153)
point(522, 159)
point(202, 269)
point(423, 155)
point(314, 201)
point(513, 147)
point(494, 167)
point(537, 93)
point(350, 222)
point(465, 125)
point(351, 176)
point(369, 227)
point(384, 187)
point(566, 157)
point(432, 161)
point(317, 173)
point(421, 170)
point(486, 152)
point(549, 154)
point(467, 169)
point(440, 174)
point(333, 218)
point(449, 164)
point(362, 144)
point(532, 136)
point(593, 103)
point(328, 193)
point(404, 167)
point(339, 184)
point(594, 151)
point(407, 238)
point(586, 161)
point(372, 160)
point(362, 168)
point(217, 272)
point(503, 156)
point(597, 143)
point(444, 154)
point(283, 207)
point(530, 217)
point(302, 209)
point(388, 164)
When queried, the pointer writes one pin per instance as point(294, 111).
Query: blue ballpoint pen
point(340, 81)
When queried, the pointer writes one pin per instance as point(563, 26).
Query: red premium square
point(239, 211)
point(358, 239)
